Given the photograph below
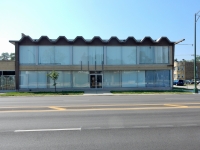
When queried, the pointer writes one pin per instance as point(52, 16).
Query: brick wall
point(7, 65)
point(189, 70)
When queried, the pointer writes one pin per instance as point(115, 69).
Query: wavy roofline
point(112, 38)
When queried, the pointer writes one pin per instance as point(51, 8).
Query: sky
point(174, 19)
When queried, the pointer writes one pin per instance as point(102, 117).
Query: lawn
point(42, 93)
point(174, 91)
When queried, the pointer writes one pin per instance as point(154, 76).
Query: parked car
point(187, 82)
point(178, 82)
point(197, 81)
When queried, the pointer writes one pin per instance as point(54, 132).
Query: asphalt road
point(152, 122)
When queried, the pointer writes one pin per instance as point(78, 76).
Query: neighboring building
point(7, 75)
point(185, 70)
point(94, 64)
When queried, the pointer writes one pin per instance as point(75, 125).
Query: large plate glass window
point(129, 55)
point(111, 79)
point(80, 54)
point(32, 79)
point(63, 55)
point(23, 79)
point(66, 79)
point(81, 79)
point(157, 78)
point(129, 78)
point(146, 54)
point(28, 54)
point(141, 78)
point(113, 55)
point(42, 79)
point(95, 54)
point(161, 54)
point(63, 81)
point(46, 55)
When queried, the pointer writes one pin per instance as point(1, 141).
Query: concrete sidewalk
point(96, 92)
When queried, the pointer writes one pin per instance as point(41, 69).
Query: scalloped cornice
point(96, 40)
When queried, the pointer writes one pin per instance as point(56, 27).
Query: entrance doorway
point(95, 80)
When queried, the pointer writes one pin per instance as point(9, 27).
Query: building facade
point(94, 64)
point(184, 70)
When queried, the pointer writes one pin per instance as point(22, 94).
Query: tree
point(54, 76)
point(4, 56)
point(7, 56)
point(12, 56)
point(197, 58)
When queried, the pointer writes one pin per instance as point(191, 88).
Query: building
point(7, 75)
point(84, 64)
point(185, 70)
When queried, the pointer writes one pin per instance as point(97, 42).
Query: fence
point(7, 82)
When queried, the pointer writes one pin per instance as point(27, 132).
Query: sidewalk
point(188, 86)
point(96, 92)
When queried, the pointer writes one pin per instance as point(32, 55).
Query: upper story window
point(161, 54)
point(28, 54)
point(80, 55)
point(93, 55)
point(129, 55)
point(113, 55)
point(45, 55)
point(154, 54)
point(146, 55)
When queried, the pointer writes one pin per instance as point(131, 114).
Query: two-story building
point(84, 64)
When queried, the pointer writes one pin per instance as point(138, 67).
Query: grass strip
point(42, 93)
point(174, 91)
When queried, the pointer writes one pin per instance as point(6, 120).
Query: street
point(152, 122)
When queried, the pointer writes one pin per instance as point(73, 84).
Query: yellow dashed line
point(179, 106)
point(57, 108)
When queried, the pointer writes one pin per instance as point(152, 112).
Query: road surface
point(152, 122)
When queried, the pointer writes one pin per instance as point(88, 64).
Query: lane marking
point(141, 126)
point(41, 130)
point(180, 98)
point(116, 127)
point(56, 108)
point(188, 125)
point(165, 126)
point(104, 128)
point(101, 109)
point(179, 106)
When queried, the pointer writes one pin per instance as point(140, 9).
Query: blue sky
point(105, 18)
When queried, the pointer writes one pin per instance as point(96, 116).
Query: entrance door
point(95, 81)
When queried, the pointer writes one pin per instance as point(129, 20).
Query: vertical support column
point(195, 76)
point(17, 66)
point(37, 55)
point(71, 54)
point(104, 52)
point(138, 54)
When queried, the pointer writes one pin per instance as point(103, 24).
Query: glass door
point(95, 81)
point(92, 81)
point(99, 81)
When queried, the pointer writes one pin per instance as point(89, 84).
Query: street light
point(195, 69)
point(179, 41)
